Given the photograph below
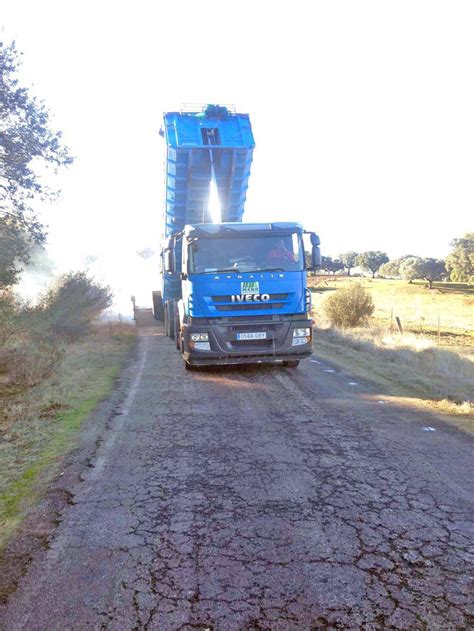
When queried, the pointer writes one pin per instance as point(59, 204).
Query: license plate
point(252, 336)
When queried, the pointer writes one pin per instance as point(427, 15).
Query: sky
point(362, 113)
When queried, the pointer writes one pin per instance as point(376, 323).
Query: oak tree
point(348, 259)
point(371, 261)
point(460, 263)
point(27, 143)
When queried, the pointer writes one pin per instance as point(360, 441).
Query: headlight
point(199, 337)
point(299, 341)
point(306, 332)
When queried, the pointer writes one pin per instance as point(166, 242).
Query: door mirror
point(315, 240)
point(315, 258)
point(168, 244)
point(169, 262)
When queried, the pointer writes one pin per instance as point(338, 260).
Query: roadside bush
point(30, 363)
point(8, 316)
point(349, 307)
point(69, 308)
point(33, 340)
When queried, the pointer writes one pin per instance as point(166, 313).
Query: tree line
point(458, 265)
point(28, 145)
point(34, 335)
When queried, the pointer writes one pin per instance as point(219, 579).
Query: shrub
point(28, 364)
point(8, 316)
point(349, 306)
point(68, 310)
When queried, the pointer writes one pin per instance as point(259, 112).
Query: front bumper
point(226, 349)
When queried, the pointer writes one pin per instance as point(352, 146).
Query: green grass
point(38, 436)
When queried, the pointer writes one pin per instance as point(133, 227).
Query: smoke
point(127, 270)
point(37, 275)
point(146, 254)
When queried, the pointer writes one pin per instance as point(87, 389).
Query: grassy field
point(420, 309)
point(431, 369)
point(39, 426)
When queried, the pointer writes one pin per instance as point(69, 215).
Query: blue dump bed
point(195, 142)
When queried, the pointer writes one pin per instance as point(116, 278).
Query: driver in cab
point(280, 254)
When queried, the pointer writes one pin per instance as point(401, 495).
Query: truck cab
point(243, 291)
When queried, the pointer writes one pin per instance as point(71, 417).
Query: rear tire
point(158, 311)
point(291, 363)
point(165, 318)
point(169, 315)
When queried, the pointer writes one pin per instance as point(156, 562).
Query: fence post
point(399, 324)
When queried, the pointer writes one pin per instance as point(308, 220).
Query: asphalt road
point(260, 498)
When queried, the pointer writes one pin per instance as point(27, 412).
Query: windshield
point(246, 254)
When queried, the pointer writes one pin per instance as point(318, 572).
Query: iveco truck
point(231, 292)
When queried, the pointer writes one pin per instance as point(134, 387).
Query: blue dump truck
point(231, 292)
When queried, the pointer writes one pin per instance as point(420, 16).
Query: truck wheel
point(158, 311)
point(291, 363)
point(165, 317)
point(177, 331)
point(170, 318)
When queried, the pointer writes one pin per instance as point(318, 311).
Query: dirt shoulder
point(406, 368)
point(47, 447)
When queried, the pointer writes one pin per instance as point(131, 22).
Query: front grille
point(229, 298)
point(251, 306)
point(258, 318)
point(252, 343)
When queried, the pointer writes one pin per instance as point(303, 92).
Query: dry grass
point(417, 306)
point(411, 364)
point(40, 424)
point(403, 362)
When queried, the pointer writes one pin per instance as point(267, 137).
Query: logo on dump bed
point(249, 287)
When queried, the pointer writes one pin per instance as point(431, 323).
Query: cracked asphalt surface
point(259, 498)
